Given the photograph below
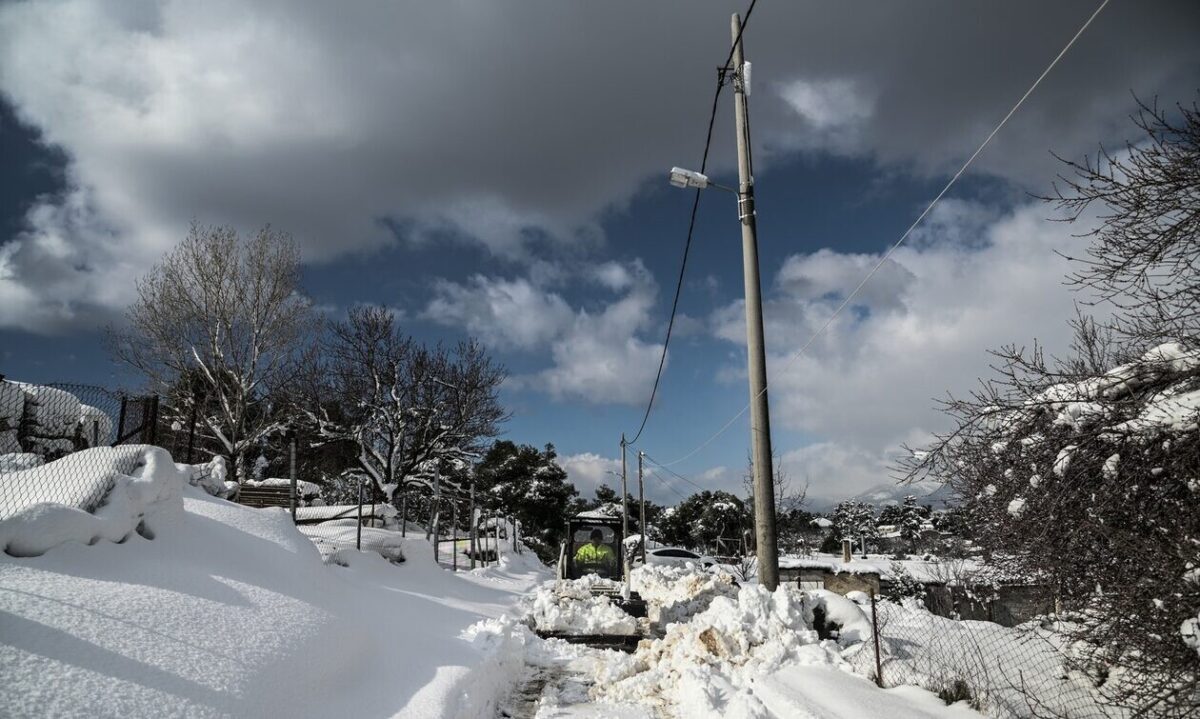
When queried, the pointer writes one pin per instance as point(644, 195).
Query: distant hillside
point(881, 495)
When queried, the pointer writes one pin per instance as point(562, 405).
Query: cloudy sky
point(498, 170)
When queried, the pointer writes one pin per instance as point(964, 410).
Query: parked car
point(677, 556)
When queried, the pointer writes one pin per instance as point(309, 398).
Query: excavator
point(606, 557)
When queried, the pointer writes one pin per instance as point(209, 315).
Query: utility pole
point(642, 505)
point(624, 507)
point(760, 420)
point(624, 512)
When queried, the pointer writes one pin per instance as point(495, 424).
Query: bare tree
point(1079, 474)
point(1145, 254)
point(221, 322)
point(411, 411)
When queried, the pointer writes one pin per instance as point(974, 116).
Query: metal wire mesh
point(1023, 671)
point(53, 441)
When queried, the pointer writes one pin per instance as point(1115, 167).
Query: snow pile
point(840, 615)
point(707, 666)
point(229, 611)
point(675, 594)
point(568, 606)
point(337, 538)
point(46, 506)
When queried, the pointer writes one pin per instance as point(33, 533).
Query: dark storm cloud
point(502, 122)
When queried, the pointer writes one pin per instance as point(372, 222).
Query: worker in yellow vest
point(595, 556)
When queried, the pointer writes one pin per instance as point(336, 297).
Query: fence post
point(454, 533)
point(513, 520)
point(292, 469)
point(474, 524)
point(875, 634)
point(121, 421)
point(403, 508)
point(150, 409)
point(95, 433)
point(433, 524)
point(192, 427)
point(358, 539)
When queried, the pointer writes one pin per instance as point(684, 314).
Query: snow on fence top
point(343, 511)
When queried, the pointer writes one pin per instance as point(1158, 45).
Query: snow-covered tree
point(912, 518)
point(527, 483)
point(700, 520)
point(413, 412)
point(1081, 473)
point(220, 323)
point(856, 521)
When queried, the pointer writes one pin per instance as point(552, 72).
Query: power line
point(665, 483)
point(668, 469)
point(691, 229)
point(907, 232)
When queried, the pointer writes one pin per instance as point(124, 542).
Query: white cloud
point(869, 383)
point(503, 313)
point(588, 470)
point(597, 355)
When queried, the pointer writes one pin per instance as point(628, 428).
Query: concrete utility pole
point(760, 420)
point(624, 492)
point(642, 505)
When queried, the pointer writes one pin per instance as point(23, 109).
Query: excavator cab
point(594, 545)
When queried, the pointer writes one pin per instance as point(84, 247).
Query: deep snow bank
point(705, 666)
point(45, 506)
point(229, 611)
point(675, 594)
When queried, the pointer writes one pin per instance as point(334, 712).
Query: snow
point(1017, 506)
point(1109, 470)
point(568, 606)
point(930, 570)
point(1063, 460)
point(303, 489)
point(230, 611)
point(77, 482)
point(97, 426)
point(344, 511)
point(844, 612)
point(756, 656)
point(675, 593)
point(333, 537)
point(18, 461)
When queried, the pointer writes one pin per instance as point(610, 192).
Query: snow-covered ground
point(168, 600)
point(715, 650)
point(230, 611)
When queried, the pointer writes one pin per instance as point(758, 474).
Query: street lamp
point(691, 179)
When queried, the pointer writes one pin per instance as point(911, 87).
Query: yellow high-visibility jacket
point(589, 554)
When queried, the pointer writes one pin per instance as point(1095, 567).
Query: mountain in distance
point(934, 494)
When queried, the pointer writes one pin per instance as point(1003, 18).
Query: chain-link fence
point(1021, 671)
point(40, 424)
point(51, 440)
